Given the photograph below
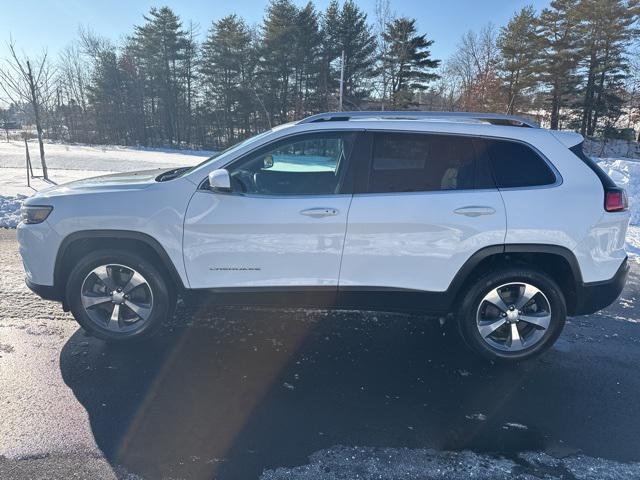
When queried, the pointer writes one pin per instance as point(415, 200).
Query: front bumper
point(38, 246)
point(47, 292)
point(591, 297)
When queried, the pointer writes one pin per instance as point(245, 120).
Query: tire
point(143, 302)
point(545, 313)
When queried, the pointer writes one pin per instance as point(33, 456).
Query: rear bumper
point(46, 292)
point(591, 297)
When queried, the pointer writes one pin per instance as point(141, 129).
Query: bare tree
point(474, 64)
point(384, 16)
point(74, 68)
point(27, 82)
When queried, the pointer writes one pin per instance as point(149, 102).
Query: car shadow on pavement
point(228, 393)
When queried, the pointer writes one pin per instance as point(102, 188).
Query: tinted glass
point(421, 163)
point(515, 164)
point(304, 165)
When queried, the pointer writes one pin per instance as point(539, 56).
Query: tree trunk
point(555, 109)
point(587, 112)
point(36, 113)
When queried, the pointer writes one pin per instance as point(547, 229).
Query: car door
point(426, 203)
point(283, 224)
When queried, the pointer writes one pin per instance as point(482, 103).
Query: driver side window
point(311, 164)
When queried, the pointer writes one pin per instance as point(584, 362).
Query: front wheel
point(118, 296)
point(512, 315)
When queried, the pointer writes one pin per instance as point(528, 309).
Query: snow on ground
point(369, 463)
point(615, 148)
point(98, 157)
point(67, 163)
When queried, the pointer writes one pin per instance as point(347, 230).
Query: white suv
point(486, 219)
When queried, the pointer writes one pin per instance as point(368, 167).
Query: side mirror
point(268, 161)
point(220, 181)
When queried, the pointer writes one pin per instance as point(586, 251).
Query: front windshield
point(228, 150)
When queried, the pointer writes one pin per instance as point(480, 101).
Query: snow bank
point(626, 173)
point(10, 210)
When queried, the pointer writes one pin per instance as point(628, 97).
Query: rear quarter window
point(516, 165)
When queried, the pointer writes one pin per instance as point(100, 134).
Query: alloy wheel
point(117, 297)
point(513, 316)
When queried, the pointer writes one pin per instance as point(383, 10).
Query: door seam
point(344, 243)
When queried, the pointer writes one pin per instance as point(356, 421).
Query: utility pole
point(341, 80)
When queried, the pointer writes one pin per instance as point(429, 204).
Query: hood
point(115, 181)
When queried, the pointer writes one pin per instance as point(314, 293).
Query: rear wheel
point(512, 315)
point(118, 296)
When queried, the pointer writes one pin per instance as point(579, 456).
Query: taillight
point(615, 200)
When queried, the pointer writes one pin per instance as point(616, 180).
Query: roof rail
point(492, 118)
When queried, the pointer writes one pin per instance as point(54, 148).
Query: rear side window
point(515, 164)
point(421, 163)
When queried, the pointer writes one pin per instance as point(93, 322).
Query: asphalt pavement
point(232, 393)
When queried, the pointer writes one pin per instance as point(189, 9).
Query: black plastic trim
point(549, 249)
point(47, 292)
point(312, 296)
point(607, 182)
point(589, 297)
point(120, 235)
point(594, 296)
point(376, 297)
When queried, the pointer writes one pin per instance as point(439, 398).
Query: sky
point(35, 25)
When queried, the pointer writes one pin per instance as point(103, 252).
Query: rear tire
point(119, 296)
point(512, 315)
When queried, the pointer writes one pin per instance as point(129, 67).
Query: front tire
point(512, 315)
point(118, 296)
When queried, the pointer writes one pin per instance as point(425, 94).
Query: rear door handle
point(320, 212)
point(474, 211)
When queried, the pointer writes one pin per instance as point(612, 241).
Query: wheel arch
point(556, 261)
point(79, 243)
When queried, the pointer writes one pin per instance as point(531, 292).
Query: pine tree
point(308, 51)
point(356, 40)
point(518, 43)
point(105, 98)
point(160, 47)
point(278, 57)
point(607, 27)
point(559, 44)
point(330, 50)
point(224, 54)
point(408, 60)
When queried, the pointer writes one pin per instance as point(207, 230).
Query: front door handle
point(474, 211)
point(319, 212)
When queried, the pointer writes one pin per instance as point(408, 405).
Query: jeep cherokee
point(502, 226)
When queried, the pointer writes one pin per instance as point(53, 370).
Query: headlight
point(35, 213)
